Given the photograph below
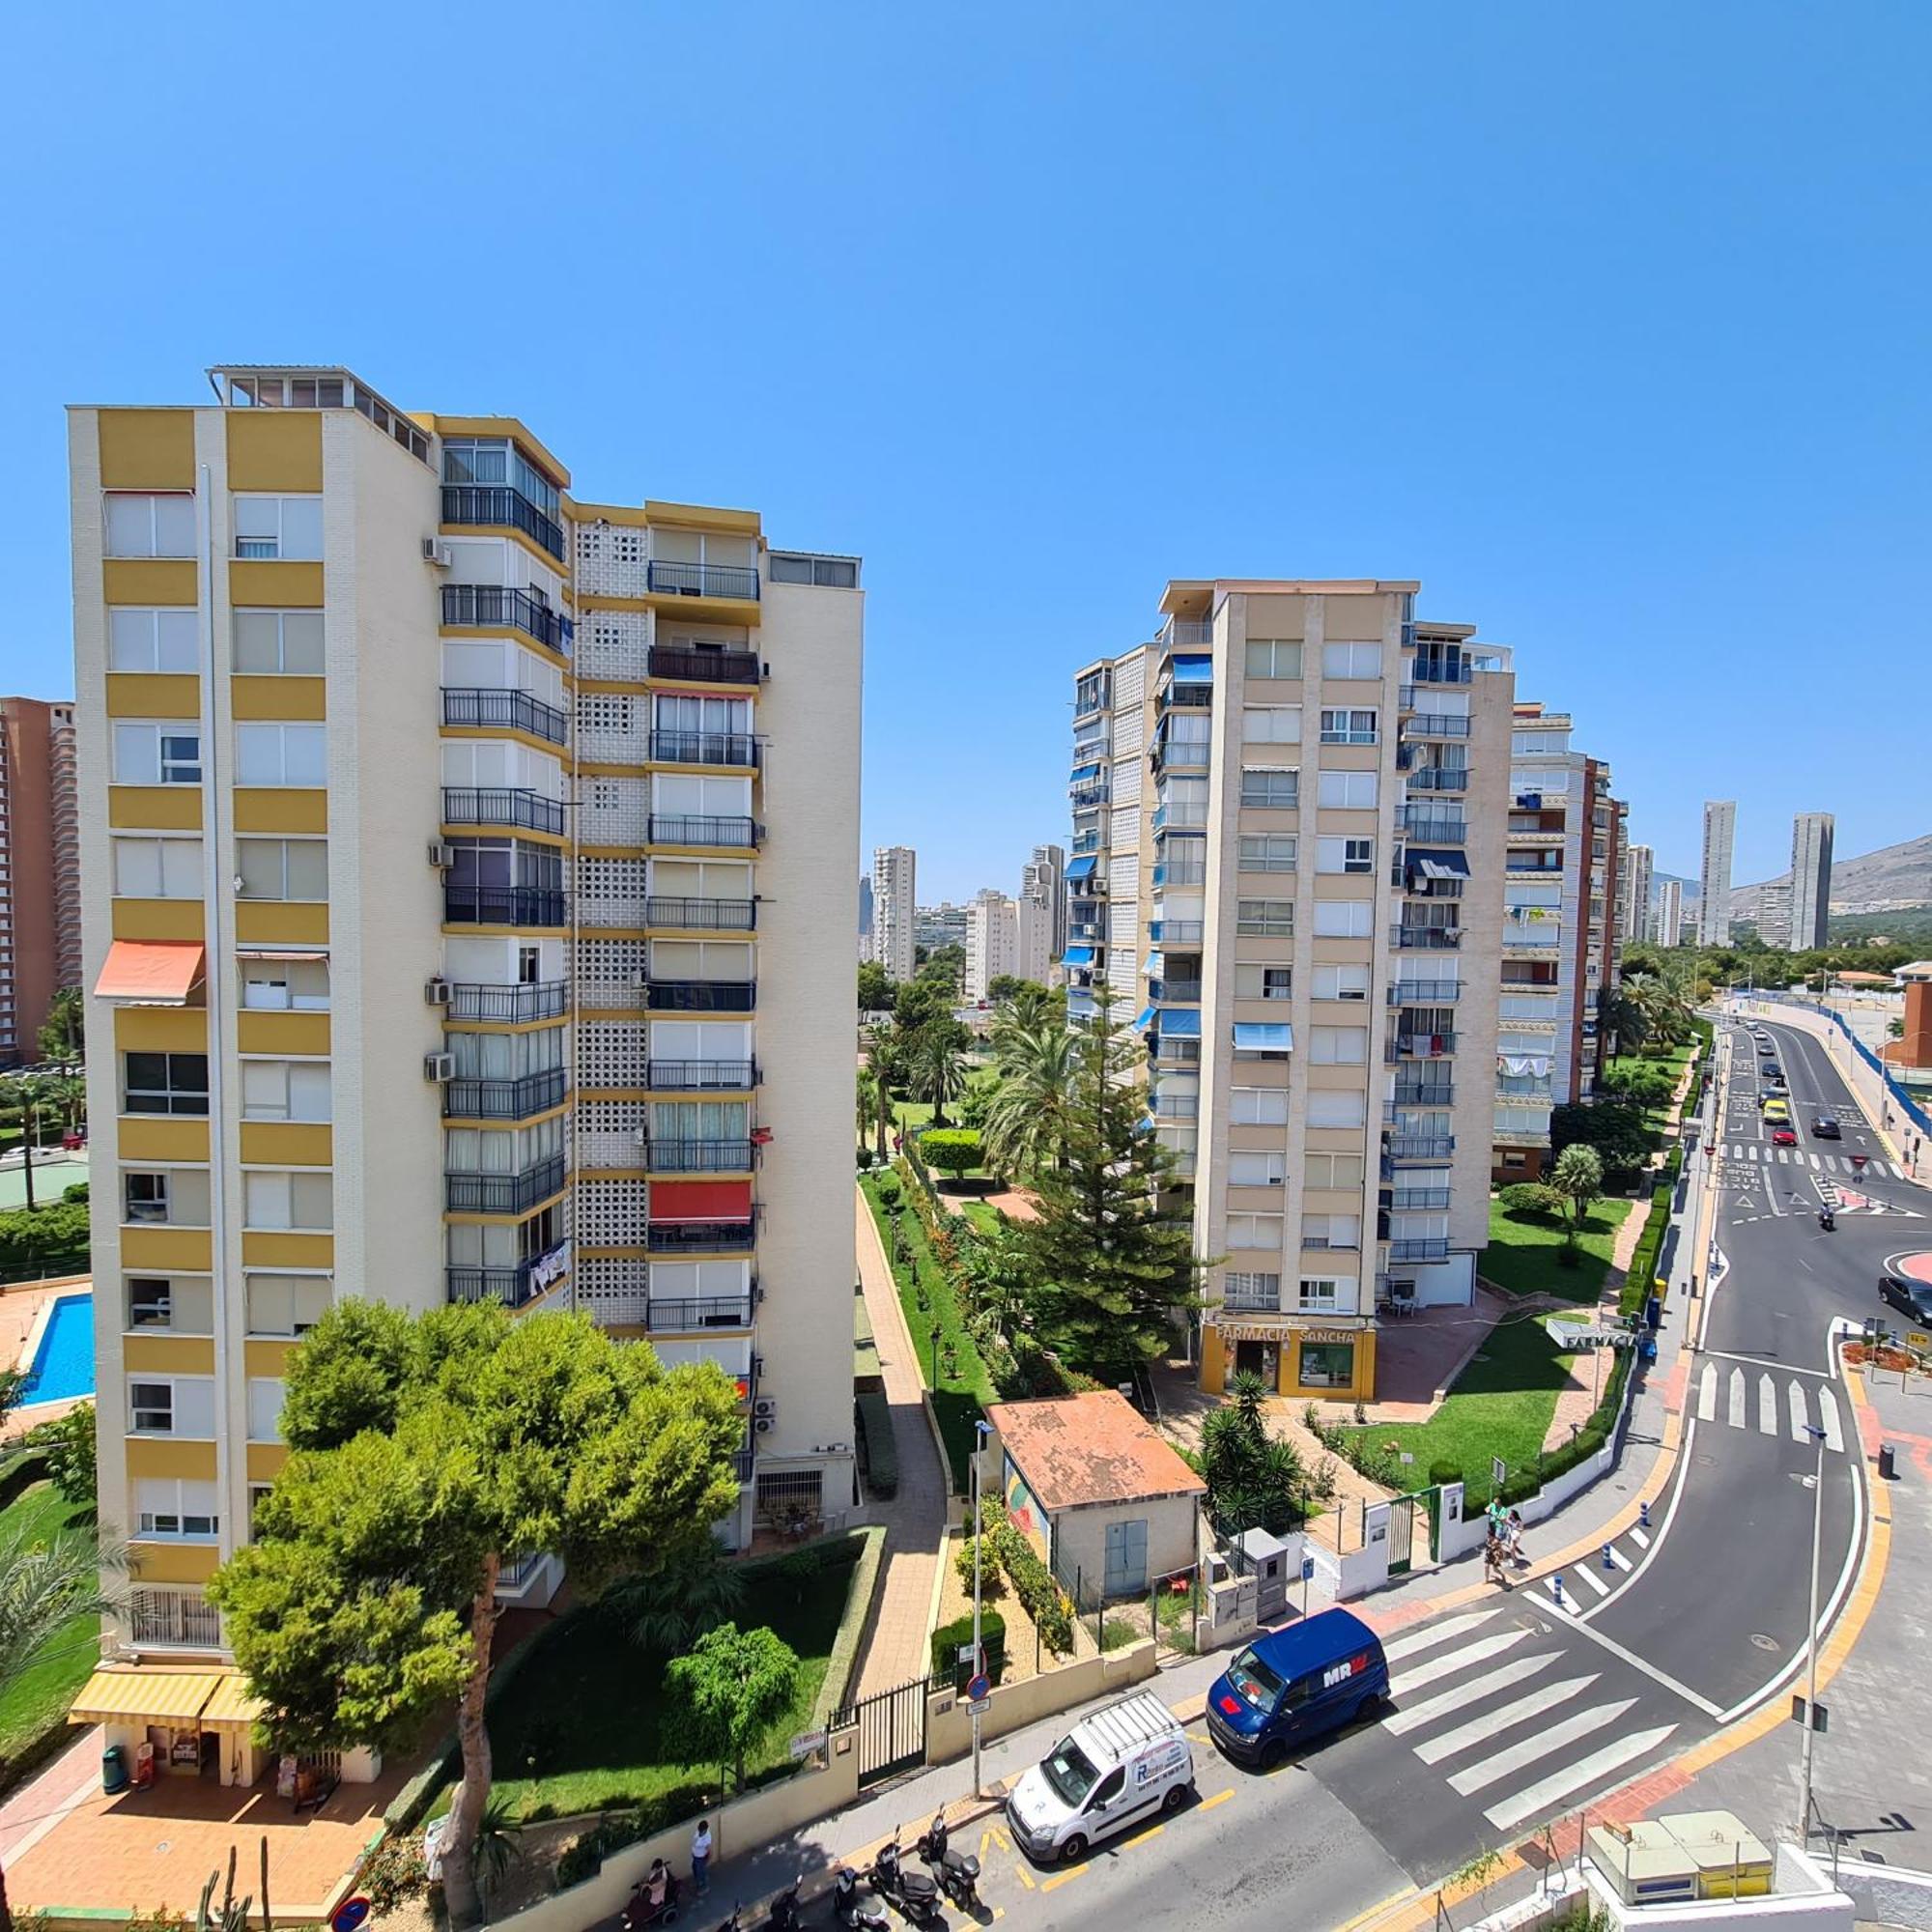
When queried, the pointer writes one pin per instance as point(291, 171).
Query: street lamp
point(1817, 1434)
point(933, 1338)
point(982, 1429)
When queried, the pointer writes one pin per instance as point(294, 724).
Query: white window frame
point(1263, 785)
point(283, 544)
point(255, 738)
point(262, 1389)
point(1258, 1107)
point(261, 1187)
point(1340, 1234)
point(153, 1525)
point(280, 1289)
point(1342, 980)
point(1256, 981)
point(152, 499)
point(1321, 1293)
point(1283, 657)
point(1350, 724)
point(1341, 855)
point(1348, 791)
point(282, 847)
point(1255, 1233)
point(284, 1110)
point(1324, 1171)
point(289, 976)
point(1344, 919)
point(281, 667)
point(1263, 852)
point(170, 1093)
point(180, 858)
point(1351, 659)
point(174, 1386)
point(160, 1307)
point(167, 752)
point(1338, 1046)
point(1272, 1163)
point(1271, 725)
point(1351, 1099)
point(1265, 919)
point(155, 639)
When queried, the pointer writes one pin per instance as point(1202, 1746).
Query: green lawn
point(35, 1702)
point(984, 1218)
point(1521, 1255)
point(1500, 1405)
point(579, 1728)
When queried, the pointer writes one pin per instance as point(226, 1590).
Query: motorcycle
point(914, 1892)
point(1827, 1220)
point(849, 1908)
point(641, 1913)
point(784, 1909)
point(958, 1872)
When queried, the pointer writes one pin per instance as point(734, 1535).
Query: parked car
point(1825, 1129)
point(1292, 1686)
point(1125, 1765)
point(1912, 1298)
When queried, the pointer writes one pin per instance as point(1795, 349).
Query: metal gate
point(1402, 1534)
point(892, 1729)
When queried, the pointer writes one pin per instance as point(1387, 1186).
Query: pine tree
point(1115, 1263)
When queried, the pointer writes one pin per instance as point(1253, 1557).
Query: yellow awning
point(158, 1696)
point(233, 1703)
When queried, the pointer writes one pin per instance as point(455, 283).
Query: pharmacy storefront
point(1326, 1360)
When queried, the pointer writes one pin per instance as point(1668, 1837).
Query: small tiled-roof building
point(1108, 1500)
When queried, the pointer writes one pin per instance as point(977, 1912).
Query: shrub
point(396, 1872)
point(74, 1194)
point(954, 1150)
point(1532, 1199)
point(991, 1582)
point(1521, 1486)
point(949, 1639)
point(586, 1854)
point(1033, 1584)
point(876, 1448)
point(888, 1192)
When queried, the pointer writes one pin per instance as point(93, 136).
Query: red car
point(1784, 1137)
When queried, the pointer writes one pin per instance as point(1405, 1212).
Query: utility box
point(1686, 1857)
point(1264, 1557)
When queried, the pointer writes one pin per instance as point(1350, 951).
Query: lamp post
point(1811, 1631)
point(933, 1338)
point(980, 1430)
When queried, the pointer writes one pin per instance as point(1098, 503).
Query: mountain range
point(1893, 876)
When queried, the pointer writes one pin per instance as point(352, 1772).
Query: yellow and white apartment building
point(1287, 861)
point(469, 882)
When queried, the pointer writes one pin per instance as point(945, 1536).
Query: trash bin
point(114, 1770)
point(1653, 1313)
point(1887, 1466)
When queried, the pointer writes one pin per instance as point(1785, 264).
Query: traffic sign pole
point(978, 1688)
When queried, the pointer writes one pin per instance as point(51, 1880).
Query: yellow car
point(1777, 1110)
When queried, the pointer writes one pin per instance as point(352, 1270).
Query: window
point(150, 1301)
point(284, 527)
point(168, 1506)
point(497, 460)
point(162, 641)
point(1272, 723)
point(285, 985)
point(1347, 791)
point(179, 1196)
point(1337, 1109)
point(1268, 919)
point(1268, 852)
point(282, 869)
point(1259, 1291)
point(1271, 786)
point(1344, 918)
point(1264, 983)
point(828, 572)
point(1341, 983)
point(165, 1083)
point(157, 868)
point(1349, 728)
point(1257, 1170)
point(276, 642)
point(1255, 1231)
point(171, 1405)
point(146, 755)
point(1320, 1295)
point(304, 1202)
point(281, 755)
point(154, 524)
point(1258, 1107)
point(1331, 1231)
point(265, 1407)
point(1327, 1364)
point(1338, 1046)
point(1333, 1170)
point(285, 1090)
point(286, 1304)
point(1351, 661)
point(1274, 657)
point(1344, 855)
point(145, 1197)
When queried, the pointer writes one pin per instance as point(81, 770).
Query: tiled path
point(915, 1520)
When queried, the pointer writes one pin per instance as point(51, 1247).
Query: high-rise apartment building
point(1713, 889)
point(1560, 945)
point(468, 864)
point(1810, 879)
point(1636, 893)
point(1288, 854)
point(1668, 929)
point(864, 915)
point(1005, 938)
point(895, 913)
point(40, 869)
point(1773, 913)
point(1045, 880)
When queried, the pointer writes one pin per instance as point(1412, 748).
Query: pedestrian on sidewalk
point(1512, 1539)
point(700, 1856)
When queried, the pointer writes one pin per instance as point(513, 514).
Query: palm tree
point(938, 1069)
point(881, 1049)
point(1032, 1004)
point(867, 1101)
point(1027, 1116)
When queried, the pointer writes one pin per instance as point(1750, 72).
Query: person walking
point(1512, 1539)
point(700, 1856)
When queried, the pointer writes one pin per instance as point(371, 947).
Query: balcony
point(705, 747)
point(1176, 931)
point(501, 805)
point(1436, 724)
point(511, 1286)
point(496, 606)
point(1421, 1147)
point(1418, 1200)
point(1175, 992)
point(466, 1192)
point(1086, 843)
point(700, 1238)
point(1425, 1093)
point(701, 1076)
point(705, 666)
point(1423, 828)
point(702, 914)
point(1439, 778)
point(702, 829)
point(703, 996)
point(1086, 928)
point(1081, 797)
point(481, 710)
point(702, 580)
point(1426, 938)
point(1420, 1248)
point(1177, 1107)
point(1169, 875)
point(1185, 634)
point(1425, 992)
point(1442, 670)
point(683, 1156)
point(522, 906)
point(1187, 697)
point(1424, 1045)
point(507, 1005)
point(470, 1100)
point(496, 506)
point(682, 1314)
point(1251, 1301)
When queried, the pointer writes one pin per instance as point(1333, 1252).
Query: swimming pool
point(63, 1356)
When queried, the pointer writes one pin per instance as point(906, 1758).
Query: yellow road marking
point(1199, 1737)
point(986, 1839)
point(1027, 1878)
point(1140, 1837)
point(1219, 1798)
point(999, 1911)
point(1063, 1878)
point(1000, 1838)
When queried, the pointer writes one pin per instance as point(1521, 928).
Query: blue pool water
point(64, 1360)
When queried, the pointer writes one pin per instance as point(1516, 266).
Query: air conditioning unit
point(439, 1066)
point(441, 854)
point(642, 1135)
point(763, 1425)
point(767, 1407)
point(435, 992)
point(640, 980)
point(436, 553)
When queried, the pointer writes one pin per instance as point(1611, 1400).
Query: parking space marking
point(1063, 1878)
point(1219, 1798)
point(1027, 1878)
point(1140, 1837)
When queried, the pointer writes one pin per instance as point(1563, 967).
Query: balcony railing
point(694, 1076)
point(1419, 1248)
point(1086, 928)
point(466, 1192)
point(703, 996)
point(1086, 843)
point(501, 508)
point(1439, 778)
point(489, 607)
point(501, 805)
point(664, 1155)
point(702, 829)
point(1442, 670)
point(1418, 1200)
point(1167, 876)
point(702, 914)
point(685, 1313)
point(501, 905)
point(705, 747)
point(1421, 828)
point(705, 666)
point(1176, 992)
point(1424, 1045)
point(1425, 1094)
point(511, 1286)
point(486, 710)
point(1426, 938)
point(1187, 697)
point(470, 1100)
point(1250, 1301)
point(512, 1006)
point(1176, 931)
point(1436, 724)
point(1081, 796)
point(1185, 634)
point(1421, 1147)
point(702, 580)
point(700, 1238)
point(1425, 992)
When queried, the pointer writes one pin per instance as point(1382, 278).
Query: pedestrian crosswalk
point(1506, 1734)
point(1742, 1400)
point(1817, 1163)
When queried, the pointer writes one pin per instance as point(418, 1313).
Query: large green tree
point(875, 987)
point(427, 1451)
point(728, 1690)
point(64, 1032)
point(1115, 1259)
point(1027, 1114)
point(938, 1072)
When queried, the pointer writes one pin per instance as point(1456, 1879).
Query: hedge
point(1033, 1584)
point(947, 1639)
point(844, 1656)
point(878, 1452)
point(1638, 1284)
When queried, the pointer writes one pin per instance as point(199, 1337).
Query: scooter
point(958, 1872)
point(641, 1913)
point(784, 1909)
point(732, 1924)
point(914, 1892)
point(1827, 1219)
point(849, 1908)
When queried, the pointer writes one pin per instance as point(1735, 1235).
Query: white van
point(1125, 1765)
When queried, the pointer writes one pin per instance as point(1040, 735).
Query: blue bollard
point(1643, 1515)
point(1607, 1563)
point(1556, 1584)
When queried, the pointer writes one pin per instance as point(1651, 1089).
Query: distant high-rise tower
point(1637, 920)
point(894, 883)
point(1669, 912)
point(1810, 879)
point(864, 915)
point(1714, 892)
point(1044, 881)
point(40, 869)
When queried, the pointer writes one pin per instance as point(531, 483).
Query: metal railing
point(1248, 1302)
point(700, 1238)
point(1421, 1147)
point(697, 1311)
point(705, 666)
point(1176, 931)
point(1439, 778)
point(1086, 795)
point(703, 996)
point(1189, 696)
point(501, 905)
point(1420, 1248)
point(511, 1286)
point(698, 1076)
point(501, 805)
point(488, 607)
point(1185, 634)
point(1417, 1200)
point(497, 505)
point(488, 710)
point(1425, 1093)
point(1437, 724)
point(703, 915)
point(1423, 828)
point(1426, 938)
point(1424, 993)
point(1176, 992)
point(702, 829)
point(1424, 1045)
point(470, 1100)
point(514, 1006)
point(702, 580)
point(468, 1192)
point(705, 747)
point(1442, 670)
point(682, 1157)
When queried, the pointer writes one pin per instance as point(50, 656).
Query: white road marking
point(1617, 1558)
point(1767, 1405)
point(1411, 1716)
point(1427, 1639)
point(1574, 1777)
point(1588, 1573)
point(1491, 1723)
point(1739, 1401)
point(1579, 1725)
point(1457, 1659)
point(1566, 1608)
point(1642, 1538)
point(1800, 1415)
point(1707, 1392)
point(1827, 1418)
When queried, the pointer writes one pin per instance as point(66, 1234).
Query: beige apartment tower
point(39, 870)
point(1288, 854)
point(470, 874)
point(894, 915)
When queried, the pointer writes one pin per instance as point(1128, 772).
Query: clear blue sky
point(1609, 325)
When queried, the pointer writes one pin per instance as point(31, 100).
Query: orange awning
point(151, 972)
point(700, 1200)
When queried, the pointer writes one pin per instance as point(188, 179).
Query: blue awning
point(1146, 1020)
point(1082, 868)
point(1153, 966)
point(1263, 1037)
point(1182, 1023)
point(1077, 955)
point(1084, 775)
point(1194, 671)
point(1438, 863)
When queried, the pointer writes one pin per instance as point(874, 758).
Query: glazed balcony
point(1419, 1248)
point(1425, 992)
point(1436, 724)
point(520, 1099)
point(735, 581)
point(496, 606)
point(705, 747)
point(701, 1076)
point(1421, 1147)
point(485, 710)
point(509, 1005)
point(501, 805)
point(523, 906)
point(700, 1238)
point(499, 506)
point(1426, 938)
point(469, 1192)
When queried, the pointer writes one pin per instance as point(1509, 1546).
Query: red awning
point(151, 972)
point(700, 1200)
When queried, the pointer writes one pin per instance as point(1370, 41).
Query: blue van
point(1292, 1686)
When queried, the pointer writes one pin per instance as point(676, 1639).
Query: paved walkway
point(915, 1520)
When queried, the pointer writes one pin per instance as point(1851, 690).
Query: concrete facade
point(1714, 888)
point(895, 914)
point(40, 869)
point(1810, 879)
point(1637, 893)
point(1667, 925)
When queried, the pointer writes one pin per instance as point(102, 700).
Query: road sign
point(981, 1707)
point(969, 1653)
point(808, 1742)
point(981, 1689)
point(1820, 1716)
point(349, 1915)
point(1498, 1471)
point(1917, 1338)
point(1307, 1568)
